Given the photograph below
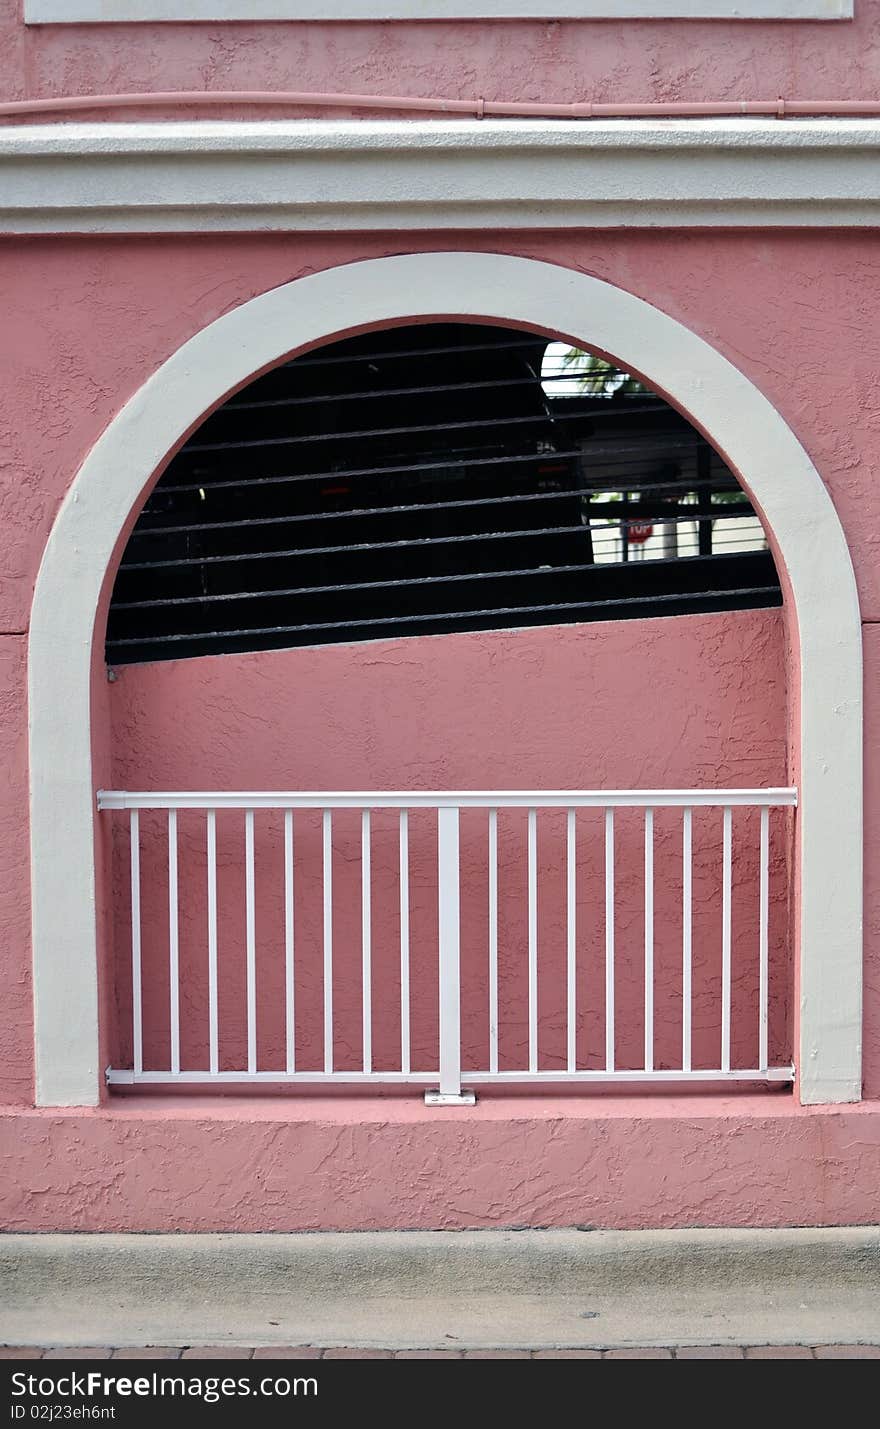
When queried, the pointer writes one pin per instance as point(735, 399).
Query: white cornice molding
point(442, 174)
point(72, 12)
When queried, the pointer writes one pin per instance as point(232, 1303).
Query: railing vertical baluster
point(533, 940)
point(213, 1038)
point(289, 979)
point(609, 940)
point(173, 948)
point(571, 942)
point(137, 1016)
point(404, 942)
point(366, 949)
point(649, 940)
point(327, 830)
point(764, 954)
point(493, 940)
point(727, 880)
point(251, 941)
point(449, 937)
point(687, 918)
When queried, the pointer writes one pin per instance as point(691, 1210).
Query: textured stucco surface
point(665, 702)
point(88, 322)
point(566, 61)
point(689, 702)
point(340, 1164)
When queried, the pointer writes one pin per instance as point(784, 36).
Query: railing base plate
point(435, 1098)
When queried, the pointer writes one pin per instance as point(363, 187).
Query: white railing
point(673, 992)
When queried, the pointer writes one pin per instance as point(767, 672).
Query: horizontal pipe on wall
point(478, 108)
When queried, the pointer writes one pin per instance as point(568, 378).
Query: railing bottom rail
point(118, 1078)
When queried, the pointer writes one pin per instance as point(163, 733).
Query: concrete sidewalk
point(466, 1291)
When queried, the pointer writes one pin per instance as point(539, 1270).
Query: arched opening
point(755, 443)
point(473, 519)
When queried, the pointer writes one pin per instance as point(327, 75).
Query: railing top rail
point(462, 799)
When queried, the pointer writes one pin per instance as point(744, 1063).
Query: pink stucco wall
point(693, 701)
point(564, 61)
point(348, 1164)
point(88, 320)
point(85, 323)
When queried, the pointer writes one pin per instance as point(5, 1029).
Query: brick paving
point(314, 1352)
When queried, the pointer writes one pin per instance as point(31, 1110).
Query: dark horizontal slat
point(345, 473)
point(450, 615)
point(597, 511)
point(375, 545)
point(348, 585)
point(549, 418)
point(422, 541)
point(592, 567)
point(527, 341)
point(379, 394)
point(482, 423)
point(359, 513)
point(465, 463)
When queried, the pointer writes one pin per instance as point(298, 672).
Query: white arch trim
point(771, 462)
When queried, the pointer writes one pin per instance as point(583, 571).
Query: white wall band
point(71, 12)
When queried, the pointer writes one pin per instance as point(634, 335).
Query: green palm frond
point(597, 376)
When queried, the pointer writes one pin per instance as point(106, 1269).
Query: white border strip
point(313, 175)
point(102, 12)
point(777, 473)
